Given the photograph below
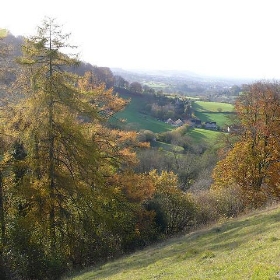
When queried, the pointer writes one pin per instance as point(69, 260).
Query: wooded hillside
point(77, 189)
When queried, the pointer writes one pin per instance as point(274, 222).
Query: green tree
point(136, 87)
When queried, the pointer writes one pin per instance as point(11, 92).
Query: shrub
point(214, 204)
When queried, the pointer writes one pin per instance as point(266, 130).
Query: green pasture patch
point(207, 106)
point(242, 248)
point(168, 147)
point(222, 119)
point(221, 113)
point(211, 137)
point(136, 119)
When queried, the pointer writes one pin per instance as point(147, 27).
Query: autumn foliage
point(69, 196)
point(71, 193)
point(253, 162)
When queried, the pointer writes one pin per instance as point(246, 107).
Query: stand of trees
point(68, 195)
point(252, 164)
point(72, 190)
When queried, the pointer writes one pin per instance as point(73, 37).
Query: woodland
point(77, 189)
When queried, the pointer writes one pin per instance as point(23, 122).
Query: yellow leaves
point(126, 152)
point(25, 61)
point(252, 163)
point(136, 187)
point(104, 100)
point(165, 179)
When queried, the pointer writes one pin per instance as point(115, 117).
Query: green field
point(243, 248)
point(206, 106)
point(222, 119)
point(137, 120)
point(221, 113)
point(211, 137)
point(168, 147)
point(205, 111)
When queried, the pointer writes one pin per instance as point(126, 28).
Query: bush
point(28, 257)
point(175, 212)
point(212, 205)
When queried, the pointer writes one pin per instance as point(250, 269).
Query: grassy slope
point(243, 248)
point(213, 111)
point(206, 111)
point(211, 137)
point(132, 114)
point(213, 106)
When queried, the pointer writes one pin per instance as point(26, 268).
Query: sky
point(226, 38)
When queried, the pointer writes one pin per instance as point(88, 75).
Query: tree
point(136, 87)
point(103, 75)
point(120, 82)
point(66, 200)
point(3, 55)
point(70, 152)
point(174, 208)
point(50, 122)
point(253, 162)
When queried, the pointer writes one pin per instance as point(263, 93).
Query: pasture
point(137, 120)
point(221, 113)
point(207, 106)
point(211, 137)
point(242, 248)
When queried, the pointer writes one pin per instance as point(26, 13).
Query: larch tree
point(59, 120)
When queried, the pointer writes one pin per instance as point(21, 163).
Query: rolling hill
point(136, 117)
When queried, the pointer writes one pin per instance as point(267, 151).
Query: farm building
point(170, 121)
point(196, 123)
point(210, 125)
point(178, 123)
point(175, 123)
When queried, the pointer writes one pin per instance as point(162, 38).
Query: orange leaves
point(136, 187)
point(141, 187)
point(253, 162)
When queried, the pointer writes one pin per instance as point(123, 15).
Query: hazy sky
point(232, 38)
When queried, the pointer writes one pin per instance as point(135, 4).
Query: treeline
point(74, 191)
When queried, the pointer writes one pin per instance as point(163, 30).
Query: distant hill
point(176, 81)
point(101, 74)
point(243, 248)
point(168, 81)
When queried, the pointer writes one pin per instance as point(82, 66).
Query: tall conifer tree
point(55, 120)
